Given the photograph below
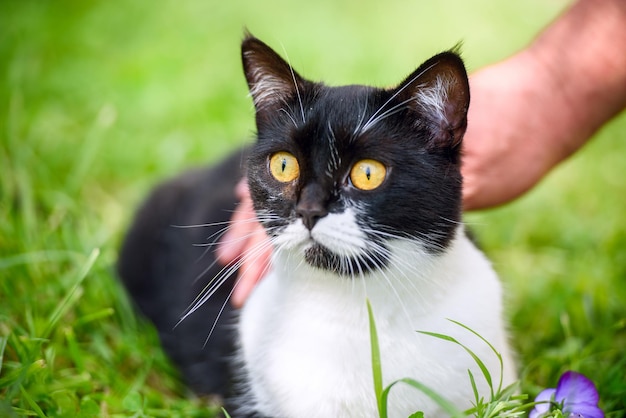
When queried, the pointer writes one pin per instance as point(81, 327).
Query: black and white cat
point(359, 189)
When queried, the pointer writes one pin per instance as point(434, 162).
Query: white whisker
point(359, 125)
point(220, 278)
point(395, 109)
point(393, 96)
point(295, 84)
point(219, 314)
point(289, 115)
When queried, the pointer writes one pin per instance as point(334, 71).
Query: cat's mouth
point(321, 257)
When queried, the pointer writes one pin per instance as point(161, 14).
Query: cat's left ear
point(439, 91)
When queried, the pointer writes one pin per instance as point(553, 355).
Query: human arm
point(533, 110)
point(528, 113)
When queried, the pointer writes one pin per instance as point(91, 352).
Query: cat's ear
point(439, 91)
point(271, 79)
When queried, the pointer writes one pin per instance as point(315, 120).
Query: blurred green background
point(99, 100)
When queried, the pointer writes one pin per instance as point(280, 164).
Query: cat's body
point(316, 359)
point(359, 190)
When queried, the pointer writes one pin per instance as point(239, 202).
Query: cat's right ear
point(271, 79)
point(439, 91)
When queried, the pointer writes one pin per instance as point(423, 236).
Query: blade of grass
point(32, 403)
point(496, 352)
point(474, 387)
point(446, 405)
point(71, 298)
point(478, 361)
point(376, 363)
point(37, 257)
point(383, 394)
point(3, 345)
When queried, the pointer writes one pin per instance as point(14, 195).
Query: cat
point(359, 190)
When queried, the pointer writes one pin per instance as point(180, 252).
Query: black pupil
point(368, 173)
point(284, 164)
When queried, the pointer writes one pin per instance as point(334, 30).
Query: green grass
point(101, 99)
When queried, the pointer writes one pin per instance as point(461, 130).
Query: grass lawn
point(99, 100)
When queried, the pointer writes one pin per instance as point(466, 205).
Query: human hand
point(247, 242)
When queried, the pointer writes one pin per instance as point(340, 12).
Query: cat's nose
point(311, 214)
point(311, 205)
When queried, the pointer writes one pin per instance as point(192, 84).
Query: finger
point(253, 268)
point(242, 191)
point(233, 243)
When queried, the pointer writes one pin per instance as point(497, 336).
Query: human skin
point(528, 113)
point(533, 110)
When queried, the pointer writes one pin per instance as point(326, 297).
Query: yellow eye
point(284, 167)
point(368, 174)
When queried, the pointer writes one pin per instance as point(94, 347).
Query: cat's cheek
point(292, 236)
point(286, 193)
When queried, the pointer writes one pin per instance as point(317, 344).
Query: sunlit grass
point(100, 100)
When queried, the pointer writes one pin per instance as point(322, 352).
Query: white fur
point(305, 335)
point(433, 99)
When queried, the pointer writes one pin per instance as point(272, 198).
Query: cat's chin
point(318, 256)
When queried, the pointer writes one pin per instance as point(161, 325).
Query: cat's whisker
point(222, 223)
point(426, 238)
point(395, 94)
point(382, 254)
point(409, 275)
point(335, 160)
point(361, 275)
point(295, 84)
point(452, 221)
point(224, 274)
point(215, 238)
point(359, 125)
point(390, 280)
point(227, 299)
point(222, 232)
point(395, 109)
point(400, 262)
point(379, 256)
point(266, 268)
point(211, 288)
point(346, 264)
point(289, 115)
point(206, 225)
point(219, 315)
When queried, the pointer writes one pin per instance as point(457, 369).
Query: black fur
point(164, 271)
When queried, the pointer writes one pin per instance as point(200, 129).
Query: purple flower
point(576, 395)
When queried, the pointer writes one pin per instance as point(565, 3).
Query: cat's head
point(338, 173)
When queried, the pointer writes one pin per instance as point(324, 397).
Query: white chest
point(306, 342)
